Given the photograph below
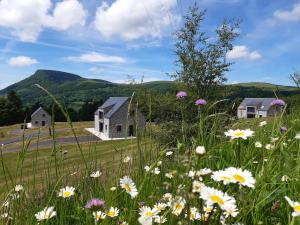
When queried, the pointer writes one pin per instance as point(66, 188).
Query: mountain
point(73, 90)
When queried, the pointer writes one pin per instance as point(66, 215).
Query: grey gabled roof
point(38, 110)
point(114, 103)
point(262, 103)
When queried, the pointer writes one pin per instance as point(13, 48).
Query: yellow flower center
point(239, 178)
point(179, 206)
point(111, 213)
point(225, 178)
point(67, 194)
point(217, 199)
point(127, 188)
point(98, 217)
point(148, 214)
point(46, 216)
point(239, 134)
point(297, 208)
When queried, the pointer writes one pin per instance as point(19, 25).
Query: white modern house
point(256, 107)
point(117, 119)
point(40, 118)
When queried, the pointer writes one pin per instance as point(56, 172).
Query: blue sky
point(117, 39)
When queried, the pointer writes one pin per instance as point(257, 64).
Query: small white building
point(40, 118)
point(256, 107)
point(117, 119)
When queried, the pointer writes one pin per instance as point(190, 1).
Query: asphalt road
point(49, 143)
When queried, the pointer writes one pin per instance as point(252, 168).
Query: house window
point(36, 122)
point(132, 112)
point(101, 127)
point(251, 109)
point(100, 115)
point(44, 115)
point(119, 128)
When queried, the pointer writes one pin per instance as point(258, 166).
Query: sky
point(118, 40)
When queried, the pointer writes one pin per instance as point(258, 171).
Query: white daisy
point(269, 147)
point(156, 171)
point(243, 134)
point(203, 171)
point(168, 153)
point(147, 168)
point(123, 223)
point(200, 150)
point(159, 207)
point(129, 186)
point(66, 192)
point(222, 176)
point(146, 215)
point(160, 219)
point(178, 206)
point(113, 212)
point(98, 215)
point(213, 196)
point(96, 174)
point(258, 144)
point(113, 188)
point(263, 123)
point(19, 188)
point(243, 177)
point(159, 163)
point(127, 159)
point(297, 136)
point(194, 214)
point(169, 175)
point(197, 186)
point(46, 214)
point(294, 205)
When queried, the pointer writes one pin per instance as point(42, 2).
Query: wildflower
point(194, 214)
point(294, 205)
point(18, 188)
point(243, 134)
point(263, 123)
point(203, 171)
point(99, 215)
point(4, 215)
point(168, 153)
point(96, 174)
point(223, 176)
point(213, 196)
point(284, 178)
point(169, 175)
point(181, 94)
point(243, 177)
point(146, 215)
point(46, 214)
point(269, 147)
point(127, 159)
point(127, 184)
point(178, 206)
point(113, 188)
point(200, 150)
point(278, 102)
point(167, 197)
point(147, 168)
point(274, 139)
point(66, 192)
point(258, 144)
point(160, 219)
point(191, 173)
point(297, 136)
point(159, 207)
point(95, 204)
point(113, 212)
point(123, 223)
point(283, 129)
point(156, 171)
point(197, 186)
point(200, 102)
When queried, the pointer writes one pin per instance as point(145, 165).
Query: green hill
point(73, 90)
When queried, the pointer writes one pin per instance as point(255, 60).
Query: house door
point(101, 127)
point(43, 123)
point(130, 131)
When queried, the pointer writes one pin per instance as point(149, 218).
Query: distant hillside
point(73, 90)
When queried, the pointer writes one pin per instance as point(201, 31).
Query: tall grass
point(169, 169)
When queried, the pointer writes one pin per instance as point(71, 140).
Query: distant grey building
point(256, 107)
point(115, 119)
point(40, 118)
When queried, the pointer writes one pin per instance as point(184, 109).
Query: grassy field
point(238, 179)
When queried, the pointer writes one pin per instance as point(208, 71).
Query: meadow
point(246, 172)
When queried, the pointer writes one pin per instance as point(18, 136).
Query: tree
point(201, 61)
point(295, 77)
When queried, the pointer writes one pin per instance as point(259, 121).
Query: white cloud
point(21, 61)
point(243, 52)
point(27, 18)
point(132, 19)
point(285, 15)
point(94, 57)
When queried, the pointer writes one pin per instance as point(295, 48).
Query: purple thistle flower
point(278, 102)
point(181, 94)
point(95, 204)
point(200, 102)
point(283, 129)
